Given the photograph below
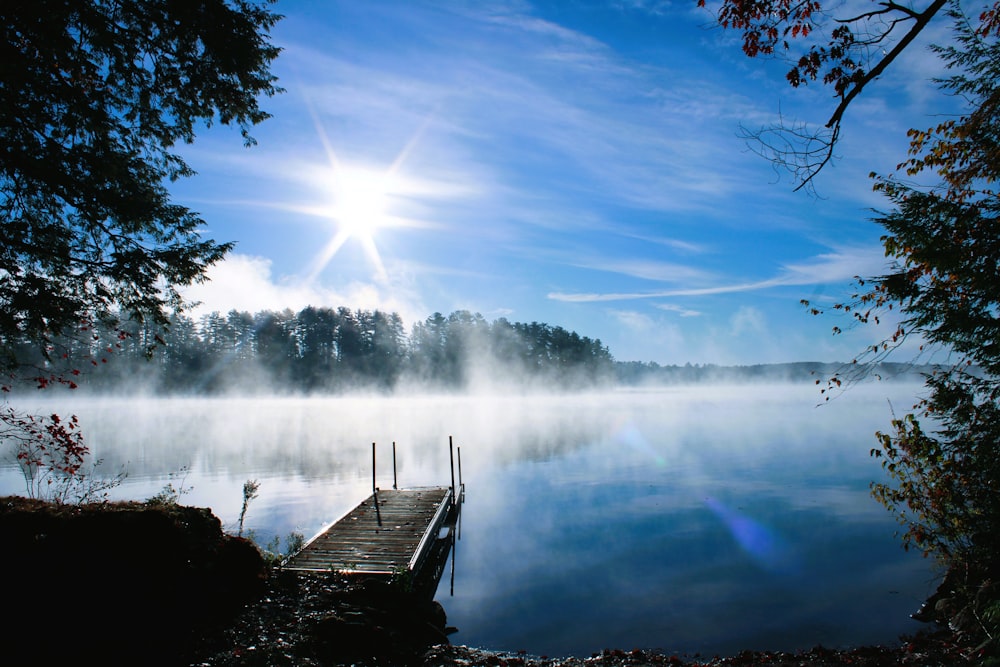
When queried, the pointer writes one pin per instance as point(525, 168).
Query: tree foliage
point(944, 282)
point(93, 98)
point(945, 243)
point(942, 461)
point(846, 51)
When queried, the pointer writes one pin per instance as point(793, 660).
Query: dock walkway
point(389, 531)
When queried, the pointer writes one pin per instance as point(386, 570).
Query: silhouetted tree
point(316, 333)
point(93, 97)
point(388, 347)
point(427, 348)
point(274, 345)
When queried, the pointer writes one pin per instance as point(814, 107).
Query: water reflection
point(710, 526)
point(700, 519)
point(442, 554)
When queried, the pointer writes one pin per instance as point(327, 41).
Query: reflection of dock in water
point(391, 533)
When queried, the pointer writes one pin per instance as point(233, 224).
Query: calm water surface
point(692, 520)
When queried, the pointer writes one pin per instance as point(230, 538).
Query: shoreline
point(107, 582)
point(317, 621)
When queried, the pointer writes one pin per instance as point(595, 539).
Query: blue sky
point(575, 163)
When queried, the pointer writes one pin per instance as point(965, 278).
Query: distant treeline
point(319, 350)
point(639, 373)
point(336, 349)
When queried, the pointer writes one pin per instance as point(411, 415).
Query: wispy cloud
point(834, 267)
point(680, 310)
point(546, 91)
point(646, 269)
point(656, 335)
point(677, 245)
point(747, 320)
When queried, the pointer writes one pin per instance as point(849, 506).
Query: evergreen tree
point(93, 97)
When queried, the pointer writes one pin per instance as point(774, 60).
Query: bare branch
point(921, 22)
point(888, 8)
point(857, 43)
point(794, 148)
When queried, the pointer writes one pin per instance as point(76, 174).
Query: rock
point(379, 620)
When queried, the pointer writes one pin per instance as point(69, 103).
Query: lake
point(700, 519)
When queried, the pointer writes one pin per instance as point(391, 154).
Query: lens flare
point(763, 545)
point(630, 436)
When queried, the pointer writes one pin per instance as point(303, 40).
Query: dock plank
point(378, 541)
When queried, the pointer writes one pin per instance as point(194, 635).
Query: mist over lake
point(702, 518)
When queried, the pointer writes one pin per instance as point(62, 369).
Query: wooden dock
point(391, 531)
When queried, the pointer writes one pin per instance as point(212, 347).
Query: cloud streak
point(833, 267)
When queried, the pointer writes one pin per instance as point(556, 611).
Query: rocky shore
point(136, 583)
point(310, 621)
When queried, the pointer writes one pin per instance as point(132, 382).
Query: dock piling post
point(451, 455)
point(394, 465)
point(378, 514)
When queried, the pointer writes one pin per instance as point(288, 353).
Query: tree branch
point(921, 22)
point(888, 8)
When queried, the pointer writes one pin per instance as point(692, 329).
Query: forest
point(324, 350)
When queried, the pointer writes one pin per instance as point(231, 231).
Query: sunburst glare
point(359, 208)
point(361, 201)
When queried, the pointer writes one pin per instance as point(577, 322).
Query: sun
point(359, 206)
point(361, 202)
